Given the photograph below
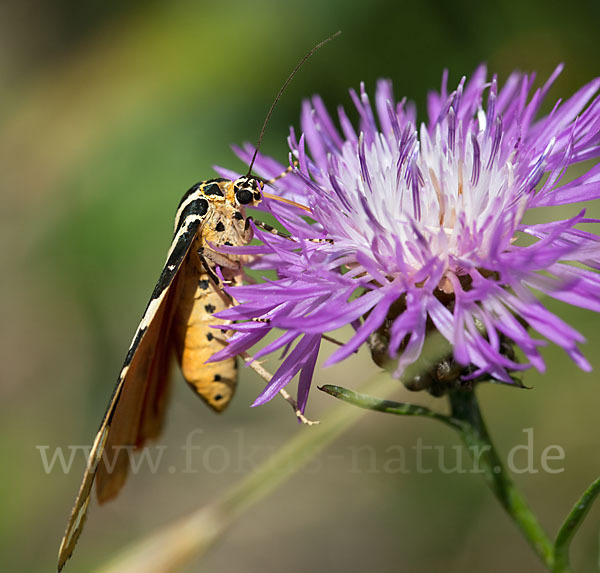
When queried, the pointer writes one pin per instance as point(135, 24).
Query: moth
point(178, 322)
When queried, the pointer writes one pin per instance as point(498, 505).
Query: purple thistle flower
point(422, 229)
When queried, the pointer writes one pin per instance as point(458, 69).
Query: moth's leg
point(269, 229)
point(254, 364)
point(266, 376)
point(247, 234)
point(266, 227)
point(219, 259)
point(209, 270)
point(217, 283)
point(323, 336)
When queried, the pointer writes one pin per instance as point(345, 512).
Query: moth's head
point(248, 191)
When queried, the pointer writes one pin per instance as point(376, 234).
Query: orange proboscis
point(288, 201)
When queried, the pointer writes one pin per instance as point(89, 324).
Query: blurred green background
point(110, 111)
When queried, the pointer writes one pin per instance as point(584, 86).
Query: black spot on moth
point(212, 189)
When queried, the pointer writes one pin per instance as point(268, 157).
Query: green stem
point(465, 417)
point(474, 433)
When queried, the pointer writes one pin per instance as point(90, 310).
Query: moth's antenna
point(278, 96)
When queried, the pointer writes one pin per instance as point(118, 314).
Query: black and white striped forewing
point(145, 341)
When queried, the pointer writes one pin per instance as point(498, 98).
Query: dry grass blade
point(187, 539)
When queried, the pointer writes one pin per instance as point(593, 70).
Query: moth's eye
point(244, 196)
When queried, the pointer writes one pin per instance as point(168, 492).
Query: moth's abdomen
point(195, 342)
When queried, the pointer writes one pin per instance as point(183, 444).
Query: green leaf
point(386, 406)
point(571, 525)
